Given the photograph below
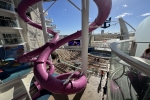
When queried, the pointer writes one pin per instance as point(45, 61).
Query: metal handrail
point(142, 67)
point(129, 40)
point(142, 42)
point(67, 80)
point(67, 63)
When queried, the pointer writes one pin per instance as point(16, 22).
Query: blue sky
point(68, 19)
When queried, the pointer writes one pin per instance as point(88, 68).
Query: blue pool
point(102, 54)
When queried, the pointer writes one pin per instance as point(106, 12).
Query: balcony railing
point(129, 76)
point(6, 5)
point(51, 26)
point(7, 22)
point(10, 41)
point(49, 20)
point(57, 31)
point(125, 46)
point(100, 44)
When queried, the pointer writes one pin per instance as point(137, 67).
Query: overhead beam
point(74, 5)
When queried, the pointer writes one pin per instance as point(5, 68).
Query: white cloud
point(123, 15)
point(65, 10)
point(146, 14)
point(125, 5)
point(90, 18)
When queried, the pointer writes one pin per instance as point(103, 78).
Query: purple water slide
point(45, 79)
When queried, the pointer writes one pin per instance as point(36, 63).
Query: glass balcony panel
point(126, 82)
point(57, 31)
point(49, 20)
point(51, 26)
point(125, 46)
point(7, 6)
point(7, 23)
point(120, 85)
point(9, 41)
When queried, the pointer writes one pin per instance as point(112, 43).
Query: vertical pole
point(43, 21)
point(85, 31)
point(44, 28)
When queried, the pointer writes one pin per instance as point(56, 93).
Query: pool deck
point(90, 92)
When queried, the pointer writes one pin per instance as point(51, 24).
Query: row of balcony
point(57, 31)
point(51, 26)
point(129, 73)
point(49, 20)
point(11, 41)
point(6, 5)
point(8, 22)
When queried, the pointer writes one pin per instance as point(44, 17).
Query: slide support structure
point(85, 36)
point(43, 21)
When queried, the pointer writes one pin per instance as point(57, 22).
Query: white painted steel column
point(85, 35)
point(44, 28)
point(43, 21)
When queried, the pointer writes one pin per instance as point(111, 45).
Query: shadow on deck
point(89, 93)
point(66, 97)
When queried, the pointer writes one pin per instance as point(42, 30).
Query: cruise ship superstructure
point(72, 71)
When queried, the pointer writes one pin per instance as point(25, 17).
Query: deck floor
point(90, 93)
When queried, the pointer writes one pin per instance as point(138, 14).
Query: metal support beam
point(130, 25)
point(85, 35)
point(49, 7)
point(43, 22)
point(74, 5)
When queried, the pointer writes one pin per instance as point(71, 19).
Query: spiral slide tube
point(45, 79)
